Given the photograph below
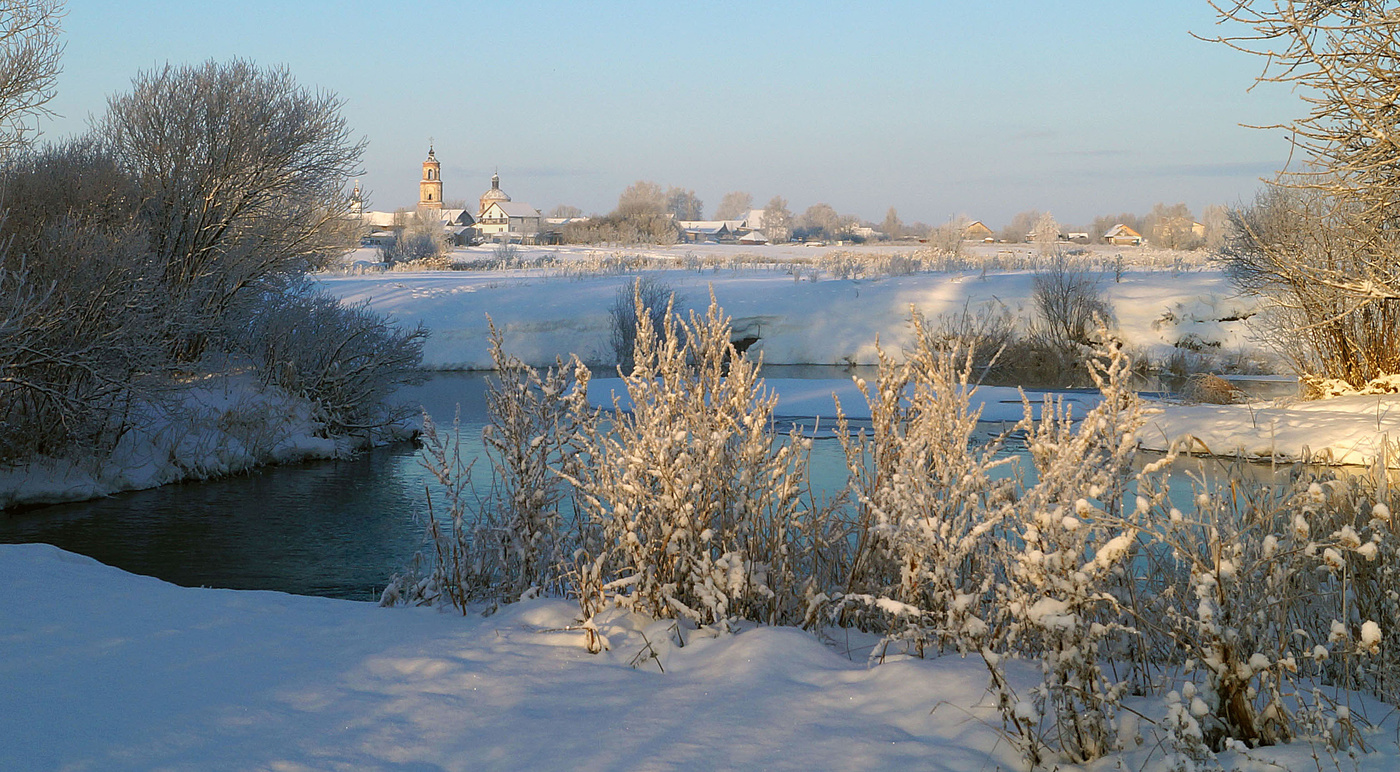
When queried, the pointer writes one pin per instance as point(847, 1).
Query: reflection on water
point(333, 528)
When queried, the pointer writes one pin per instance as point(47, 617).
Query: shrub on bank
point(1241, 611)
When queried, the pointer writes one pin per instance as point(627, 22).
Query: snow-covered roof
point(511, 209)
point(710, 227)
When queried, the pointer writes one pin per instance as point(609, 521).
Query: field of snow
point(104, 670)
point(799, 315)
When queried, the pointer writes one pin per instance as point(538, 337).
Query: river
point(331, 528)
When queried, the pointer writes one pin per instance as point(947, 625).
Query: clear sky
point(937, 108)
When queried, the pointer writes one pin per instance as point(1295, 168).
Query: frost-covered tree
point(1340, 57)
point(641, 198)
point(1046, 233)
point(892, 226)
point(735, 205)
point(684, 204)
point(242, 175)
point(777, 220)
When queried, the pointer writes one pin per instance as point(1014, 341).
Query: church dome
point(494, 194)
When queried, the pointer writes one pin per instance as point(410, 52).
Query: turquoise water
point(333, 528)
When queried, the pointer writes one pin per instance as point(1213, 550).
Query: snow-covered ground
point(799, 314)
point(219, 426)
point(104, 670)
point(1351, 430)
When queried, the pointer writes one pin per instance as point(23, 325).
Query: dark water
point(332, 528)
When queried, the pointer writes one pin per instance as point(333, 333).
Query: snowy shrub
point(1269, 588)
point(346, 359)
point(927, 504)
point(456, 573)
point(536, 421)
point(513, 539)
point(695, 500)
point(988, 334)
point(81, 340)
point(1058, 593)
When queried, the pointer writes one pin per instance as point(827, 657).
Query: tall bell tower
point(430, 187)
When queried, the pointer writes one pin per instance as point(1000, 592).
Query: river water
point(332, 528)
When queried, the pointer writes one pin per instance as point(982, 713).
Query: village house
point(976, 231)
point(1123, 236)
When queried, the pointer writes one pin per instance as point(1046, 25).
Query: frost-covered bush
point(82, 325)
point(523, 533)
point(1069, 303)
point(927, 504)
point(1270, 592)
point(1058, 594)
point(346, 359)
point(695, 500)
point(517, 537)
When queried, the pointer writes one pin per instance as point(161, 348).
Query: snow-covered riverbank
point(104, 670)
point(798, 318)
point(220, 426)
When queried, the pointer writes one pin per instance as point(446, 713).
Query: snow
point(217, 426)
point(799, 315)
point(1339, 430)
point(106, 670)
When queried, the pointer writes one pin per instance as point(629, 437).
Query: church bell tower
point(430, 187)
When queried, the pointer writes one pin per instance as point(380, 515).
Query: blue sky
point(1079, 108)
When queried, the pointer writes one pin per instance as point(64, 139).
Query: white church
point(497, 218)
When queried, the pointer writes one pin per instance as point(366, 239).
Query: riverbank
point(796, 312)
point(112, 671)
point(1351, 430)
point(219, 426)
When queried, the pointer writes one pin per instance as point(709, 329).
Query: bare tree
point(1278, 244)
point(1342, 54)
point(1331, 256)
point(777, 220)
point(421, 238)
point(1020, 226)
point(1104, 223)
point(564, 210)
point(1216, 218)
point(735, 205)
point(29, 65)
point(949, 236)
point(1172, 226)
point(820, 221)
point(242, 173)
